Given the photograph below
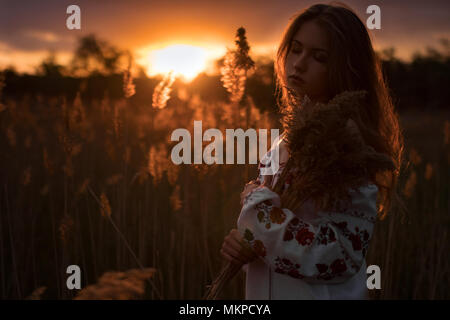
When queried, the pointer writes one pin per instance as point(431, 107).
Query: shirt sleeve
point(266, 162)
point(331, 249)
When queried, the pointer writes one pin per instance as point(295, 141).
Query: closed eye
point(321, 57)
point(296, 48)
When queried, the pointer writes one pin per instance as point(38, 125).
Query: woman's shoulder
point(367, 191)
point(366, 195)
point(362, 202)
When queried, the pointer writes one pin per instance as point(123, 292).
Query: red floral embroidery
point(286, 266)
point(360, 214)
point(360, 239)
point(304, 236)
point(268, 214)
point(350, 261)
point(298, 229)
point(259, 248)
point(288, 236)
point(356, 242)
point(337, 268)
point(322, 268)
point(277, 215)
point(257, 245)
point(325, 235)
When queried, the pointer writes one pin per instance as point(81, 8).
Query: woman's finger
point(237, 254)
point(237, 242)
point(237, 248)
point(230, 250)
point(245, 247)
point(233, 243)
point(251, 254)
point(231, 257)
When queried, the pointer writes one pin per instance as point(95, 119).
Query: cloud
point(26, 61)
point(45, 36)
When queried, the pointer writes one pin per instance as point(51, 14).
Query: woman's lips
point(297, 80)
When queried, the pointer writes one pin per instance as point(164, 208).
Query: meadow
point(90, 182)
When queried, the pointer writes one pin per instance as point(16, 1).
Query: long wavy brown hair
point(353, 65)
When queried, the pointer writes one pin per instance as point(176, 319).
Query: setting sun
point(184, 60)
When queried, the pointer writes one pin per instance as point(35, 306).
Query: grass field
point(92, 184)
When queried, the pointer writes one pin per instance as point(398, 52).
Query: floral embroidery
point(286, 266)
point(325, 235)
point(356, 242)
point(256, 245)
point(350, 238)
point(304, 237)
point(298, 229)
point(259, 248)
point(248, 235)
point(337, 268)
point(268, 214)
point(360, 239)
point(277, 215)
point(360, 214)
point(325, 272)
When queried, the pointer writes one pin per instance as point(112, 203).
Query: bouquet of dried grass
point(328, 156)
point(328, 153)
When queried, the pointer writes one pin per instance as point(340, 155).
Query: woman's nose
point(300, 63)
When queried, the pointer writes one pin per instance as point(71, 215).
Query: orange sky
point(29, 29)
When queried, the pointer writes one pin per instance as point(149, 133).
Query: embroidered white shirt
point(302, 255)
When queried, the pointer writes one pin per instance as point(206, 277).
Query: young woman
point(309, 254)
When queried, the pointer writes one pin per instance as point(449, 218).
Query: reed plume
point(237, 63)
point(233, 78)
point(37, 293)
point(128, 85)
point(105, 208)
point(161, 94)
point(129, 285)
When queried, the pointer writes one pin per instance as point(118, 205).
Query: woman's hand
point(247, 189)
point(234, 249)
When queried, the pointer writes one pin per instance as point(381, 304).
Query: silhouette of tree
point(50, 68)
point(96, 56)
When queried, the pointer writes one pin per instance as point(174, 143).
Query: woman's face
point(307, 61)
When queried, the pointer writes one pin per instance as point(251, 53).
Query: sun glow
point(184, 60)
